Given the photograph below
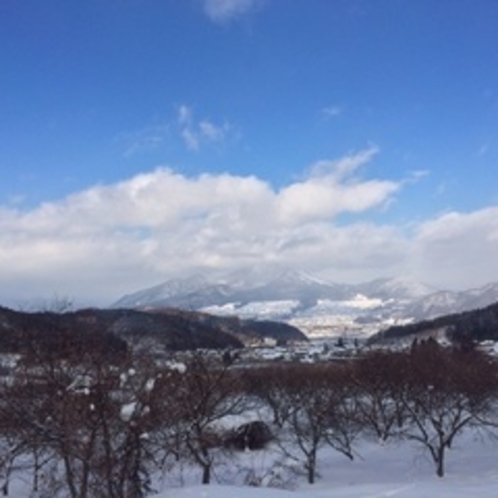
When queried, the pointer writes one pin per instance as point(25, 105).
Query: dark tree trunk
point(206, 474)
point(312, 467)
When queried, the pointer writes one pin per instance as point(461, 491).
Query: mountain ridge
point(114, 331)
point(294, 296)
point(290, 284)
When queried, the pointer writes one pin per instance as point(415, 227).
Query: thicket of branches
point(84, 428)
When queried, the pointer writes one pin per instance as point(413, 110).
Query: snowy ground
point(395, 470)
point(400, 471)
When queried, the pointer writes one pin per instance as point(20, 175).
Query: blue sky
point(147, 139)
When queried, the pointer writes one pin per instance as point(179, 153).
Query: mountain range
point(299, 298)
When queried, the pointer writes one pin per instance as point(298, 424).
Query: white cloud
point(332, 189)
point(197, 133)
point(99, 243)
point(459, 249)
point(222, 11)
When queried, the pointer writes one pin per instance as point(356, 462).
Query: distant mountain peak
point(400, 287)
point(299, 277)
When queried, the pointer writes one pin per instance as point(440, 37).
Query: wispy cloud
point(483, 150)
point(145, 140)
point(223, 11)
point(419, 173)
point(330, 112)
point(196, 133)
point(109, 239)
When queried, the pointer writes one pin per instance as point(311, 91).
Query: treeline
point(83, 428)
point(170, 329)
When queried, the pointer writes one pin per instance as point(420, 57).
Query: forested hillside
point(476, 325)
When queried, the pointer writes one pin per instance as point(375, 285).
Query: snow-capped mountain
point(449, 302)
point(190, 293)
point(315, 305)
point(199, 292)
point(395, 288)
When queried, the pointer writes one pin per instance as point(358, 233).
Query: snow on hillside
point(289, 308)
point(263, 310)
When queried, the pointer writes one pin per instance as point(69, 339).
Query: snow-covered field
point(397, 469)
point(393, 470)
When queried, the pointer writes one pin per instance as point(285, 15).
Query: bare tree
point(207, 392)
point(86, 414)
point(270, 384)
point(378, 392)
point(446, 391)
point(321, 412)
